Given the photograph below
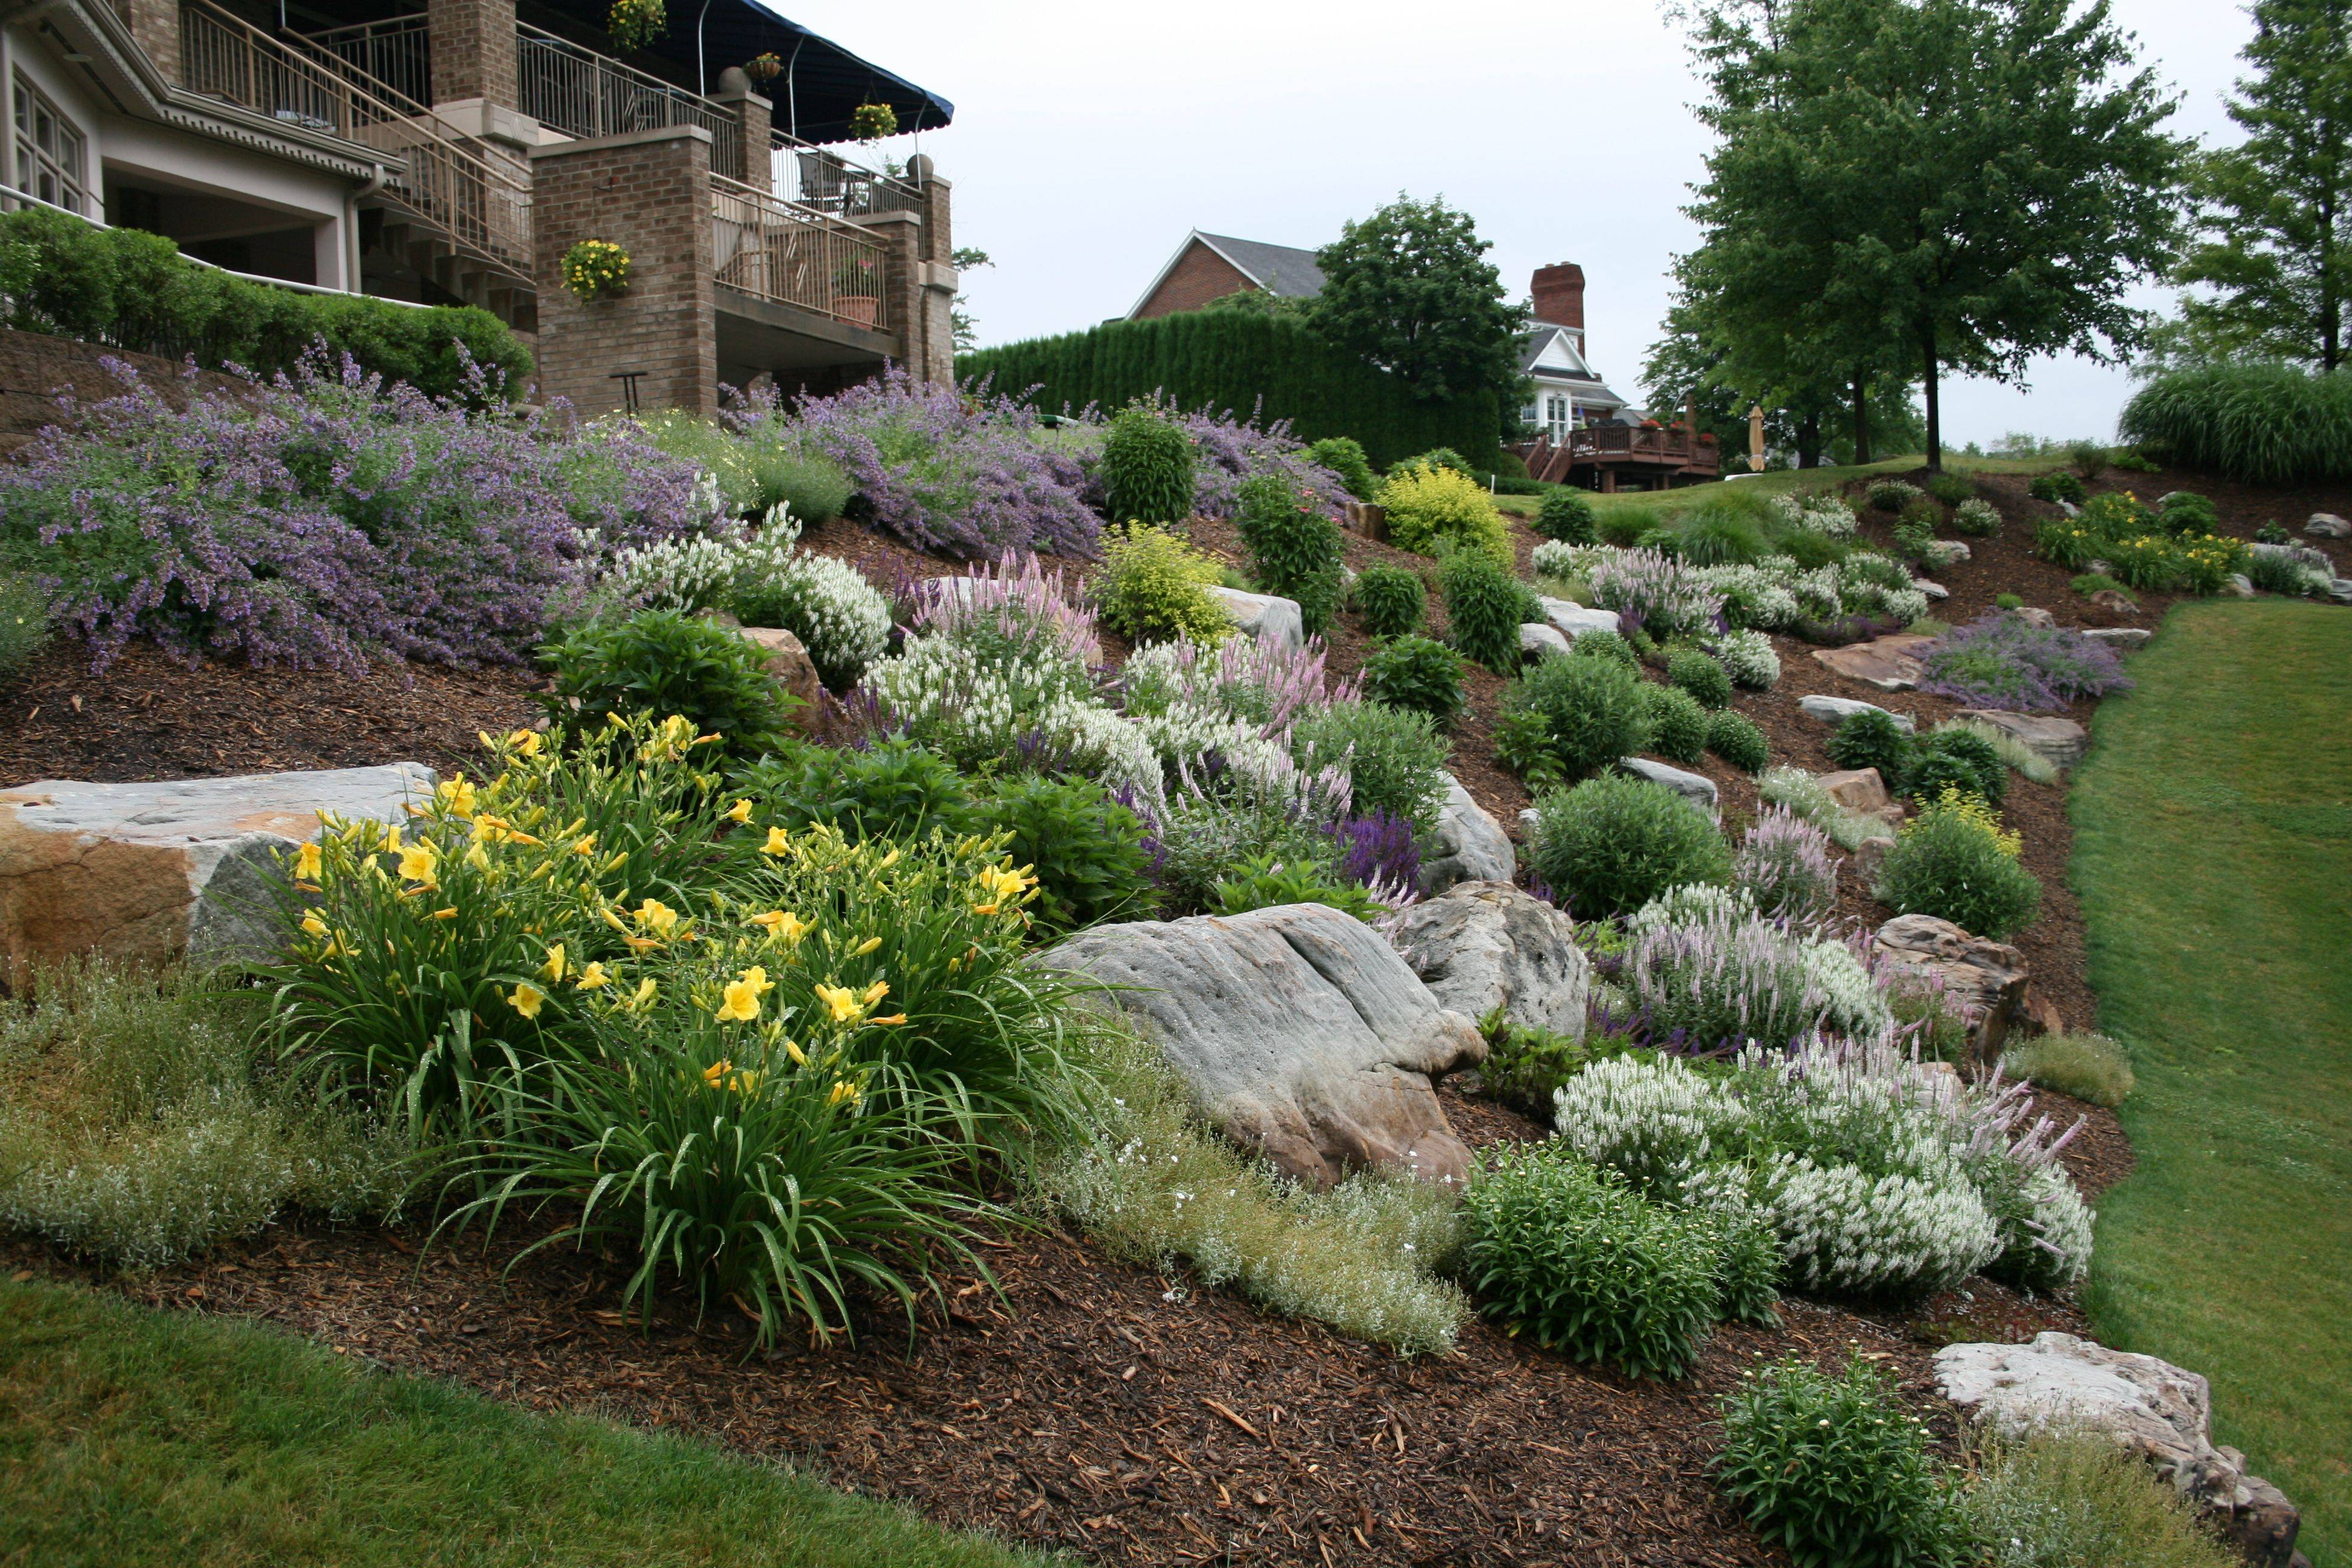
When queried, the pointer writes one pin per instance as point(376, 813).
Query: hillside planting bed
point(1048, 1376)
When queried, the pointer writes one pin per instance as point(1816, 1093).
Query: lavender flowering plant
point(2002, 660)
point(324, 518)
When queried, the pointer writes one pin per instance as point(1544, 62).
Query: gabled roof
point(1281, 269)
point(1563, 347)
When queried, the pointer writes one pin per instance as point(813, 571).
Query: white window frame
point(56, 169)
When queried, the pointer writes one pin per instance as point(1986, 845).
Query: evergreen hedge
point(134, 291)
point(1276, 365)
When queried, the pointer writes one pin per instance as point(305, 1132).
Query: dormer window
point(50, 153)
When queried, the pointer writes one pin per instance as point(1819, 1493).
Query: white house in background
point(1569, 392)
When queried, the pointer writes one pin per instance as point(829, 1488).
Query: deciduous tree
point(1410, 289)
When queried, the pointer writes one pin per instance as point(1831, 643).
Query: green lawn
point(2213, 854)
point(132, 1438)
point(1796, 478)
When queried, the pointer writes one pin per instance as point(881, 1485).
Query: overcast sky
point(1090, 138)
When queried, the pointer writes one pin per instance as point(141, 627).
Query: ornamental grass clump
point(1954, 861)
point(1833, 1470)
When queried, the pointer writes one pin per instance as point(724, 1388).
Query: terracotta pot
point(863, 311)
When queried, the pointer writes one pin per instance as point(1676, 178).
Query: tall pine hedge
point(1274, 366)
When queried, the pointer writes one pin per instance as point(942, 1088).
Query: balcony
point(784, 253)
point(587, 95)
point(1663, 454)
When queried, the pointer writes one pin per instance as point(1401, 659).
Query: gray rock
point(153, 872)
point(2070, 509)
point(1694, 787)
point(1988, 977)
point(1856, 789)
point(1470, 845)
point(2061, 741)
point(2122, 639)
point(1942, 553)
point(2301, 555)
point(2115, 602)
point(2327, 525)
point(2033, 615)
point(1540, 637)
point(1301, 1033)
point(2242, 585)
point(1574, 620)
point(1934, 590)
point(1890, 663)
point(1838, 709)
point(1484, 945)
point(2150, 1408)
point(2340, 590)
point(1264, 616)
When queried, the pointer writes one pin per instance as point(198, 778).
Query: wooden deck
point(1606, 453)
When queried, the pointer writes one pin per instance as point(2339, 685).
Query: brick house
point(452, 154)
point(1209, 265)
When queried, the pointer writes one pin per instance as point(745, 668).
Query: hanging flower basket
point(873, 122)
point(634, 24)
point(763, 69)
point(595, 269)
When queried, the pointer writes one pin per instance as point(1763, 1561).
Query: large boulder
point(1988, 977)
point(1263, 616)
point(2327, 525)
point(1469, 844)
point(1890, 663)
point(151, 872)
point(789, 663)
point(2058, 742)
point(2122, 639)
point(1484, 945)
point(1695, 788)
point(1302, 1033)
point(2151, 1408)
point(1540, 637)
point(1838, 709)
point(1856, 789)
point(1574, 620)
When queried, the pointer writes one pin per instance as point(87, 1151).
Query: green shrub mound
point(1442, 511)
point(1951, 489)
point(659, 662)
point(1277, 367)
point(1833, 1470)
point(1575, 1259)
point(1484, 607)
point(1582, 715)
point(1605, 645)
point(1294, 547)
point(1344, 456)
point(1700, 674)
point(24, 621)
point(1566, 515)
point(1390, 600)
point(1270, 881)
point(1872, 740)
point(892, 789)
point(1525, 1066)
point(2067, 1500)
point(1147, 466)
point(1961, 758)
point(135, 291)
point(1945, 863)
point(1085, 848)
point(1736, 739)
point(1677, 724)
point(1395, 756)
point(2057, 485)
point(2255, 423)
point(1418, 673)
point(1612, 844)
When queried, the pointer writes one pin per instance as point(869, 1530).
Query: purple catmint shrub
point(2003, 660)
point(325, 519)
point(1229, 450)
point(963, 475)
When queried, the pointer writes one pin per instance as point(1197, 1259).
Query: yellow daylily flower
point(450, 914)
point(717, 1070)
point(313, 924)
point(645, 993)
point(863, 948)
point(593, 977)
point(800, 1057)
point(740, 1000)
point(740, 811)
point(657, 917)
point(416, 864)
point(888, 860)
point(777, 844)
point(526, 741)
point(893, 1018)
point(476, 857)
point(526, 999)
point(844, 1092)
point(875, 992)
point(307, 863)
point(457, 795)
point(554, 966)
point(842, 1003)
point(587, 846)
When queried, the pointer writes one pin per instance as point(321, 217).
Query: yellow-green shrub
point(1436, 511)
point(1154, 587)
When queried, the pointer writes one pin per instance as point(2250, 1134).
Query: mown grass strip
point(131, 1437)
point(2213, 856)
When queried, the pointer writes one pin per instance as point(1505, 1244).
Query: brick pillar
point(155, 27)
point(649, 192)
point(473, 46)
point(918, 279)
point(752, 117)
point(939, 280)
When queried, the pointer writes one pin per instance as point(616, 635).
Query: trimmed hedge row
point(1276, 364)
point(134, 291)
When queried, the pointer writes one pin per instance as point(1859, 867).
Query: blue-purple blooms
point(324, 518)
point(1378, 850)
point(1229, 450)
point(2003, 660)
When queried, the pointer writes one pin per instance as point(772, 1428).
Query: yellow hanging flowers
point(739, 1002)
point(526, 999)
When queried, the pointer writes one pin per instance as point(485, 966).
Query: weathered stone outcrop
point(1484, 945)
point(1469, 844)
point(1264, 616)
point(1302, 1033)
point(1989, 977)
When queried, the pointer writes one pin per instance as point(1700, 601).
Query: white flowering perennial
point(1701, 963)
point(1747, 658)
point(1878, 1173)
point(1817, 512)
point(1671, 599)
point(841, 618)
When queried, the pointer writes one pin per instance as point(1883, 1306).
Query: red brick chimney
point(1558, 293)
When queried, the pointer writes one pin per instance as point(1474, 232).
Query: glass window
point(49, 151)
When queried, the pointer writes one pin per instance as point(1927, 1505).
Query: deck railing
point(823, 181)
point(448, 180)
point(583, 93)
point(396, 52)
point(779, 251)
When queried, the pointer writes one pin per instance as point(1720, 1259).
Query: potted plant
point(595, 269)
point(873, 122)
point(634, 24)
point(858, 290)
point(763, 69)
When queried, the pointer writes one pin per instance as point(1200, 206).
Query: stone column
point(918, 278)
point(649, 192)
point(473, 45)
point(751, 115)
point(155, 27)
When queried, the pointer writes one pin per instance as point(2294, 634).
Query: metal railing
point(776, 250)
point(583, 93)
point(449, 180)
point(823, 181)
point(396, 52)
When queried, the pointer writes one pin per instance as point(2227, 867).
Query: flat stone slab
point(1469, 844)
point(153, 872)
point(1264, 616)
point(1889, 663)
point(1484, 945)
point(1539, 638)
point(2327, 525)
point(1574, 620)
point(1838, 709)
point(1929, 586)
point(1301, 1032)
point(1697, 788)
point(2059, 742)
point(2122, 639)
